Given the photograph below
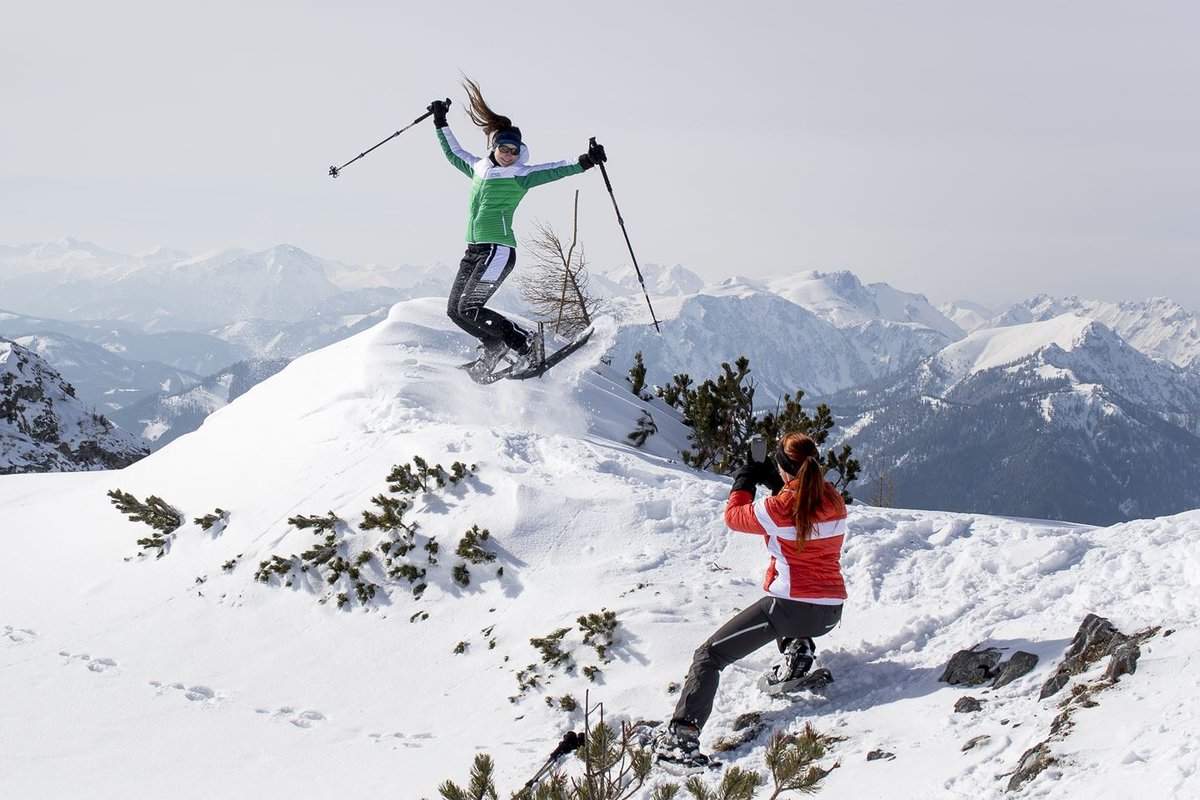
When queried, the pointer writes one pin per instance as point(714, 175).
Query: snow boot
point(677, 748)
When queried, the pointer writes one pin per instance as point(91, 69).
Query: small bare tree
point(881, 479)
point(556, 286)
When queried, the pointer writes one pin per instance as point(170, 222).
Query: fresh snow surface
point(174, 678)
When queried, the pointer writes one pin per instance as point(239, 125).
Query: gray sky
point(963, 149)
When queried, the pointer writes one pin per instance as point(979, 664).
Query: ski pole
point(335, 171)
point(637, 269)
point(571, 741)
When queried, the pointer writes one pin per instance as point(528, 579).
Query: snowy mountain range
point(102, 378)
point(1079, 424)
point(44, 427)
point(820, 332)
point(164, 417)
point(1158, 327)
point(912, 382)
point(169, 290)
point(224, 668)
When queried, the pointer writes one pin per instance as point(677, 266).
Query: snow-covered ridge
point(994, 347)
point(183, 655)
point(1158, 326)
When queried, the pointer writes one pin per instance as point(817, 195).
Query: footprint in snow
point(402, 739)
point(195, 694)
point(301, 719)
point(17, 635)
point(92, 664)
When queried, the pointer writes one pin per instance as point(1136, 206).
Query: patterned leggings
point(483, 269)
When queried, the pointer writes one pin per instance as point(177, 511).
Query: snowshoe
point(537, 366)
point(817, 679)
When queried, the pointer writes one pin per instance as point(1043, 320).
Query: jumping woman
point(499, 181)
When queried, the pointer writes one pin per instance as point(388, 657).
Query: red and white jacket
point(812, 573)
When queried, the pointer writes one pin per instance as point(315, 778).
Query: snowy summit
point(282, 642)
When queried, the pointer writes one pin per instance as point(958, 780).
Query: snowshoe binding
point(484, 369)
point(794, 672)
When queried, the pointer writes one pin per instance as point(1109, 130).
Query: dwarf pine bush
point(153, 511)
point(599, 630)
point(339, 560)
point(720, 411)
point(209, 521)
point(616, 766)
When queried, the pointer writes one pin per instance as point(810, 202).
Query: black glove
point(439, 109)
point(767, 474)
point(744, 479)
point(595, 155)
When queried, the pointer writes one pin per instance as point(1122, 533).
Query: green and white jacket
point(497, 191)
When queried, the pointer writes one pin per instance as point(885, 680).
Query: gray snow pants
point(768, 620)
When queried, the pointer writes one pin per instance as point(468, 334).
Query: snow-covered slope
point(44, 427)
point(185, 676)
point(194, 352)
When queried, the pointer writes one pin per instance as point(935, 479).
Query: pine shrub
point(156, 513)
point(720, 411)
point(470, 547)
point(208, 521)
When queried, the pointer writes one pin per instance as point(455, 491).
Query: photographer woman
point(803, 522)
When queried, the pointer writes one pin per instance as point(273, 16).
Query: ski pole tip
point(333, 172)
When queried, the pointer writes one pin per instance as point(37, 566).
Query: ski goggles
point(508, 149)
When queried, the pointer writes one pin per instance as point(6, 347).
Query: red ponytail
point(810, 482)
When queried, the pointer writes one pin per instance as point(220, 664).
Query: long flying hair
point(481, 113)
point(810, 488)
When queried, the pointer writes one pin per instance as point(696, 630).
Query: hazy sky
point(963, 149)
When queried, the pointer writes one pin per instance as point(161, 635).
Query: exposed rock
point(1124, 661)
point(1021, 663)
point(747, 720)
point(880, 755)
point(971, 667)
point(1096, 639)
point(966, 705)
point(1035, 760)
point(1056, 682)
point(975, 742)
point(746, 728)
